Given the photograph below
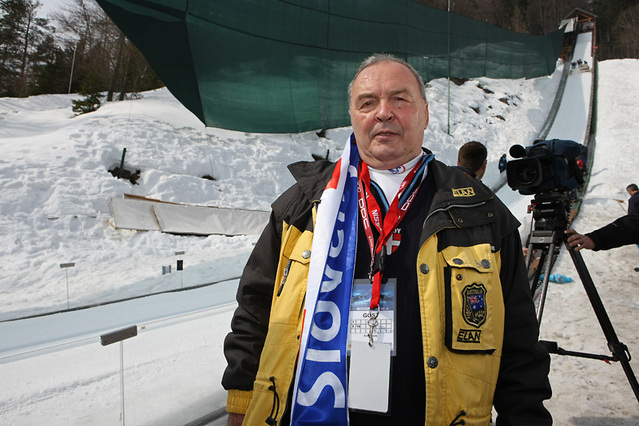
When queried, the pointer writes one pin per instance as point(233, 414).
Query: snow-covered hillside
point(54, 208)
point(56, 187)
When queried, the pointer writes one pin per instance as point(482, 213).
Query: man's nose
point(385, 112)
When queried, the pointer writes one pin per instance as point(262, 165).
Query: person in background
point(633, 202)
point(471, 158)
point(386, 233)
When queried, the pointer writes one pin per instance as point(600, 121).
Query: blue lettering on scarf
point(321, 396)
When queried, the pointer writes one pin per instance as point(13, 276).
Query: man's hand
point(235, 419)
point(579, 241)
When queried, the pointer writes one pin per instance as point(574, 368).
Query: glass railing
point(163, 371)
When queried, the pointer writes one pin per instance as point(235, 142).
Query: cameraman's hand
point(578, 241)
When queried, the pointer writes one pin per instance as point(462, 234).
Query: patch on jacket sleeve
point(474, 309)
point(464, 192)
point(473, 312)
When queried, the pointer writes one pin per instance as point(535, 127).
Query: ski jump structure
point(569, 119)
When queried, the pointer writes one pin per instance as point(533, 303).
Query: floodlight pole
point(73, 65)
point(448, 15)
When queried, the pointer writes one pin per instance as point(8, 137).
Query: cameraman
point(621, 232)
point(471, 158)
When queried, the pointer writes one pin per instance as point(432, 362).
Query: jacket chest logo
point(464, 192)
point(474, 309)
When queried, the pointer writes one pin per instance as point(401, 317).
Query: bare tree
point(626, 32)
point(105, 58)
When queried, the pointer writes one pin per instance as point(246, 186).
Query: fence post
point(66, 267)
point(180, 266)
point(121, 164)
point(120, 336)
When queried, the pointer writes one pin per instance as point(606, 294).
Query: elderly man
point(387, 289)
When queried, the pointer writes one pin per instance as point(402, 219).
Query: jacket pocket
point(472, 287)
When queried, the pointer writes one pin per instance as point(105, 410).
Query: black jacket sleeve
point(621, 232)
point(523, 382)
point(243, 345)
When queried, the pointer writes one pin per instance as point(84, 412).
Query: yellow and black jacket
point(472, 359)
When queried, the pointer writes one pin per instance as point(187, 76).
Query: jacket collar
point(312, 176)
point(452, 187)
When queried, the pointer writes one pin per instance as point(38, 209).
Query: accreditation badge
point(371, 345)
point(361, 314)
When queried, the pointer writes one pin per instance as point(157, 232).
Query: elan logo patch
point(469, 336)
point(463, 192)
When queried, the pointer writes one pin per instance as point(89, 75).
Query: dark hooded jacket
point(467, 240)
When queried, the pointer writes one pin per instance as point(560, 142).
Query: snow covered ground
point(54, 209)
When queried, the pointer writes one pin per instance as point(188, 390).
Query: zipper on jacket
point(270, 420)
point(457, 420)
point(285, 276)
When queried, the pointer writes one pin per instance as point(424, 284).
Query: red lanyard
point(370, 211)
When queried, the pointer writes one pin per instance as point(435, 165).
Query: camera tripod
point(550, 214)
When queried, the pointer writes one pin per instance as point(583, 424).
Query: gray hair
point(386, 57)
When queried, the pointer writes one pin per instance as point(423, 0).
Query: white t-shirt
point(391, 180)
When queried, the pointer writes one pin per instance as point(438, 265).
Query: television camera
point(545, 166)
point(552, 170)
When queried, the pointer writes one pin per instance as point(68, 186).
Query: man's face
point(388, 115)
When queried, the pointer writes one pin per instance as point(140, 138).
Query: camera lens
point(524, 174)
point(527, 176)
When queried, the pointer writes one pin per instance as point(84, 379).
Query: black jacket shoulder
point(461, 201)
point(294, 205)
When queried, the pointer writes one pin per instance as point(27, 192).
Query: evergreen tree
point(21, 33)
point(51, 70)
point(92, 97)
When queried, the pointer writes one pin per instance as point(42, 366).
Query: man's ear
point(427, 117)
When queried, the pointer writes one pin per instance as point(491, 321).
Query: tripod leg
point(539, 290)
point(529, 256)
point(618, 349)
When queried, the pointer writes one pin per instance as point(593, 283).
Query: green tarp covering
point(284, 66)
